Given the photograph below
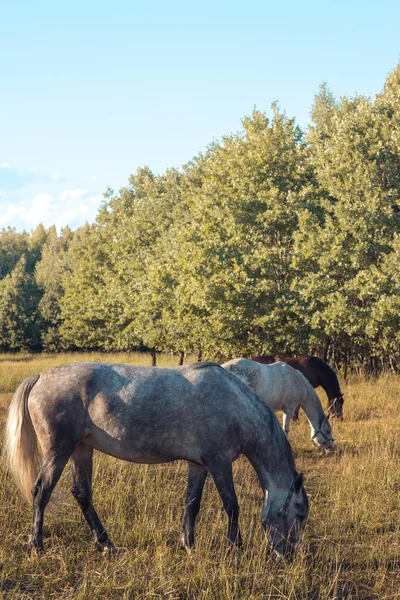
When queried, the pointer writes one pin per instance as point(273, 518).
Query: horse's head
point(322, 437)
point(284, 519)
point(335, 407)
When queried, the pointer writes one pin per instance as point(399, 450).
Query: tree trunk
point(326, 349)
point(200, 355)
point(181, 357)
point(153, 357)
point(345, 366)
point(334, 357)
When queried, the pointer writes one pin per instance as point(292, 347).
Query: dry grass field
point(351, 545)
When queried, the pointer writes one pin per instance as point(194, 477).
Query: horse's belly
point(275, 404)
point(273, 400)
point(140, 448)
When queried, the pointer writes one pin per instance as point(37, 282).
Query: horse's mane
point(281, 437)
point(203, 365)
point(322, 364)
point(326, 369)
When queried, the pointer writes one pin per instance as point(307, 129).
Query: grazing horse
point(198, 413)
point(283, 388)
point(318, 373)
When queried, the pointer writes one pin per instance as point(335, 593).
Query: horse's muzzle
point(284, 551)
point(329, 446)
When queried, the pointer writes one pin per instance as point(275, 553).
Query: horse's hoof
point(36, 552)
point(188, 549)
point(185, 545)
point(108, 551)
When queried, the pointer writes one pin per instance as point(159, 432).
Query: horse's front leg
point(196, 478)
point(287, 415)
point(221, 472)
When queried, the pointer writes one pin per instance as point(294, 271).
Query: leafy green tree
point(234, 292)
point(12, 246)
point(271, 241)
point(49, 274)
point(20, 321)
point(86, 299)
point(338, 248)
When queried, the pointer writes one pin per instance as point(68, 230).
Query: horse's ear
point(298, 482)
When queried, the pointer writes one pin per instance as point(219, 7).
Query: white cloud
point(9, 215)
point(72, 194)
point(70, 207)
point(29, 196)
point(40, 211)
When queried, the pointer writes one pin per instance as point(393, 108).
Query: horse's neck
point(329, 382)
point(276, 481)
point(271, 457)
point(311, 405)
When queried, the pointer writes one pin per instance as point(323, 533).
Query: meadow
point(351, 546)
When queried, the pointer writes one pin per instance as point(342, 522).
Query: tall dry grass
point(351, 545)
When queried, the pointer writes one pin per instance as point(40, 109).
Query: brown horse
point(318, 373)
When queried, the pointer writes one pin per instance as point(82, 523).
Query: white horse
point(283, 388)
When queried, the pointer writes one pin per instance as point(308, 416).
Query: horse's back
point(287, 381)
point(274, 383)
point(264, 359)
point(119, 388)
point(146, 414)
point(309, 366)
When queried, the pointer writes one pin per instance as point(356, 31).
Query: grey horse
point(198, 413)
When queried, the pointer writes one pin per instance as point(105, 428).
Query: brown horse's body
point(318, 374)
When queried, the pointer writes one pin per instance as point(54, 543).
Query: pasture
point(351, 546)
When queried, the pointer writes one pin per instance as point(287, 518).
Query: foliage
point(19, 318)
point(340, 251)
point(273, 240)
point(49, 274)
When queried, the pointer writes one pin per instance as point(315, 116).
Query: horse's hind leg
point(196, 478)
point(50, 472)
point(81, 463)
point(295, 416)
point(221, 472)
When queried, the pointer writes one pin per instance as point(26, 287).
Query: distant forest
point(274, 240)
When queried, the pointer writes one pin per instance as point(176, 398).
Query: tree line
point(274, 240)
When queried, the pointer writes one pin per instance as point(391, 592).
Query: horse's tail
point(20, 445)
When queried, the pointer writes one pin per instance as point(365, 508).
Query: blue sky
point(89, 91)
